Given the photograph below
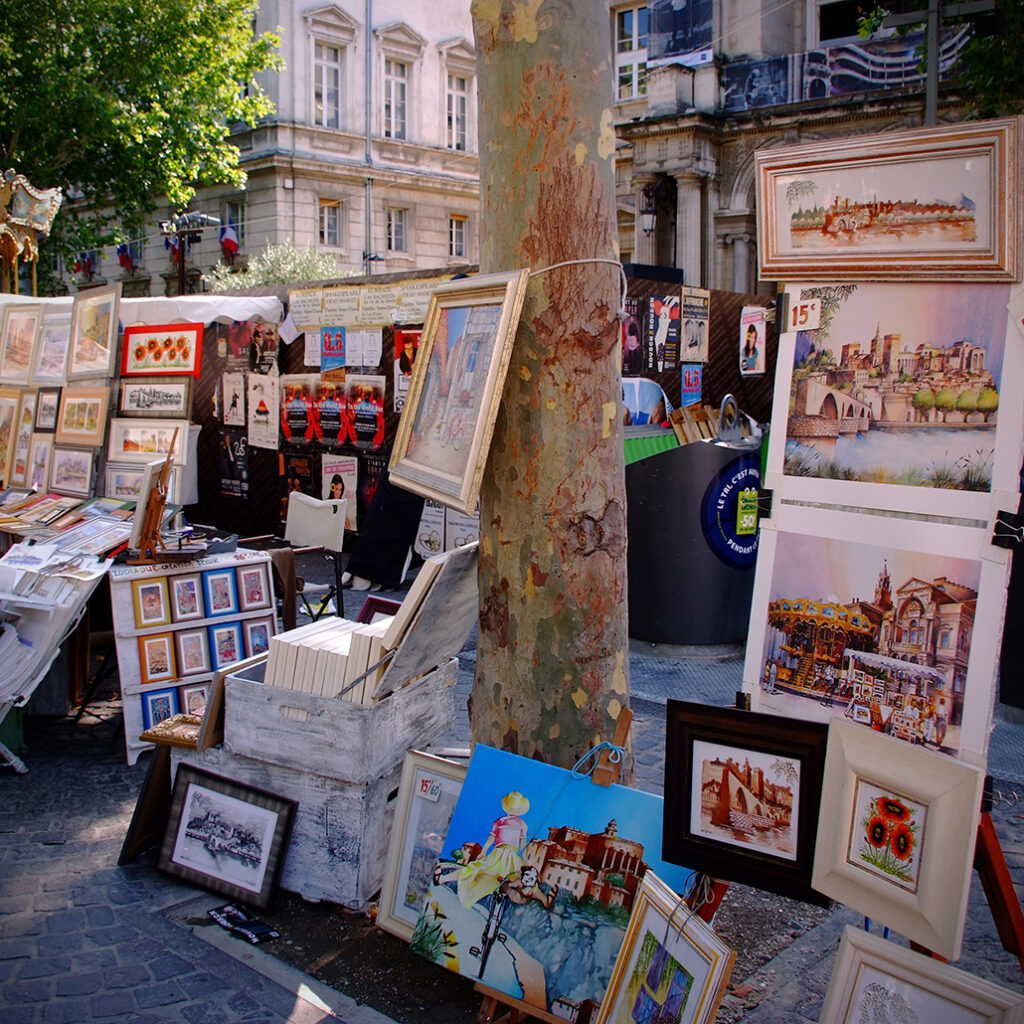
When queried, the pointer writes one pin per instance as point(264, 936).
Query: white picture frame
point(934, 806)
point(50, 363)
point(94, 328)
point(141, 440)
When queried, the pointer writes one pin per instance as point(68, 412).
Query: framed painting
point(94, 321)
point(82, 417)
point(524, 843)
point(47, 407)
point(158, 706)
point(898, 396)
point(253, 587)
point(193, 649)
point(140, 440)
point(892, 624)
point(427, 795)
point(150, 602)
point(165, 349)
point(445, 430)
point(226, 644)
point(18, 333)
point(23, 437)
point(10, 398)
point(154, 398)
point(896, 834)
point(376, 608)
point(257, 634)
point(40, 454)
point(741, 796)
point(870, 972)
point(186, 597)
point(50, 364)
point(71, 471)
point(926, 204)
point(150, 478)
point(672, 965)
point(226, 837)
point(194, 698)
point(220, 591)
point(156, 657)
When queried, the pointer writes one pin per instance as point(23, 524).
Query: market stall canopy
point(223, 309)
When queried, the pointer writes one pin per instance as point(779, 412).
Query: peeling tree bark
point(552, 670)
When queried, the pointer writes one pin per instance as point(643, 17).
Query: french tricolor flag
point(229, 239)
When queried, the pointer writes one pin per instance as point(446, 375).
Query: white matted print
point(39, 455)
point(140, 440)
point(51, 357)
point(905, 397)
point(262, 409)
point(18, 341)
point(874, 620)
point(887, 834)
point(71, 471)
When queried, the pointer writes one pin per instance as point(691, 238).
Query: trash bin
point(691, 552)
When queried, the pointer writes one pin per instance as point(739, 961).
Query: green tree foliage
point(988, 401)
point(277, 264)
point(924, 400)
point(967, 402)
point(945, 401)
point(120, 102)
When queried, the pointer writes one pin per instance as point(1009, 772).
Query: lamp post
point(186, 227)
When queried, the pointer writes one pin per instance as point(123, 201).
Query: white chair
point(311, 523)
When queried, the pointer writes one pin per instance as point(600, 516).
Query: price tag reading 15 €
point(429, 789)
point(804, 315)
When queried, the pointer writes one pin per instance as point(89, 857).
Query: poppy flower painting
point(164, 349)
point(888, 841)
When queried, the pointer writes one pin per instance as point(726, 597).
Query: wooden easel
point(152, 548)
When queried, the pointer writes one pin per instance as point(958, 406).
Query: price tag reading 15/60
point(429, 789)
point(804, 315)
point(746, 512)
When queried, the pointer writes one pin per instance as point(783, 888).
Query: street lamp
point(649, 212)
point(187, 227)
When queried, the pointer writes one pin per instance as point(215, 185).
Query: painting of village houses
point(900, 384)
point(877, 633)
point(539, 873)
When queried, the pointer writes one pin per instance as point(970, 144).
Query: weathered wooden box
point(354, 742)
point(338, 845)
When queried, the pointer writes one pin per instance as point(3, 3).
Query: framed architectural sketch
point(156, 657)
point(899, 396)
point(9, 401)
point(220, 591)
point(50, 363)
point(186, 597)
point(94, 321)
point(193, 648)
point(226, 644)
point(150, 602)
point(427, 795)
point(896, 834)
point(446, 426)
point(82, 418)
point(926, 204)
point(71, 471)
point(18, 331)
point(158, 705)
point(165, 349)
point(140, 440)
point(39, 455)
point(672, 965)
point(23, 437)
point(893, 624)
point(870, 972)
point(47, 406)
point(741, 796)
point(159, 397)
point(226, 837)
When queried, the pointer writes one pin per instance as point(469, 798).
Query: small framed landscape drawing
point(220, 592)
point(158, 705)
point(156, 657)
point(194, 698)
point(23, 437)
point(741, 796)
point(896, 834)
point(17, 341)
point(193, 651)
point(94, 320)
point(226, 837)
point(672, 965)
point(164, 349)
point(160, 397)
point(186, 597)
point(51, 359)
point(71, 471)
point(870, 972)
point(39, 455)
point(82, 418)
point(226, 644)
point(253, 587)
point(427, 795)
point(257, 634)
point(47, 406)
point(9, 400)
point(141, 440)
point(149, 598)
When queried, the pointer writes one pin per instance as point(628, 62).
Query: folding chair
point(312, 524)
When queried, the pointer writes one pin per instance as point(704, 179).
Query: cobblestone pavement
point(82, 939)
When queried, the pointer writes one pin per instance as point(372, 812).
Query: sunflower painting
point(887, 835)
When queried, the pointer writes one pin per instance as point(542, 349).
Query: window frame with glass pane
point(397, 225)
point(322, 65)
point(458, 236)
point(234, 211)
point(631, 53)
point(396, 98)
point(324, 207)
point(457, 108)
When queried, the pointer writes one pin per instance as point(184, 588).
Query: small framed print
point(226, 644)
point(257, 634)
point(71, 471)
point(195, 697)
point(158, 705)
point(149, 599)
point(159, 397)
point(94, 320)
point(82, 418)
point(164, 349)
point(220, 592)
point(51, 358)
point(18, 340)
point(896, 834)
point(125, 482)
point(23, 437)
point(193, 651)
point(156, 657)
point(39, 456)
point(186, 597)
point(253, 587)
point(226, 837)
point(47, 406)
point(139, 440)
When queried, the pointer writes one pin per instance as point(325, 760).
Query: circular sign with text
point(728, 512)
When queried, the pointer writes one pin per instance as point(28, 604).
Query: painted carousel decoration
point(26, 216)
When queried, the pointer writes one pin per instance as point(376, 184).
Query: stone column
point(689, 228)
point(740, 262)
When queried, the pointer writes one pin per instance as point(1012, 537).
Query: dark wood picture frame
point(763, 736)
point(194, 790)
